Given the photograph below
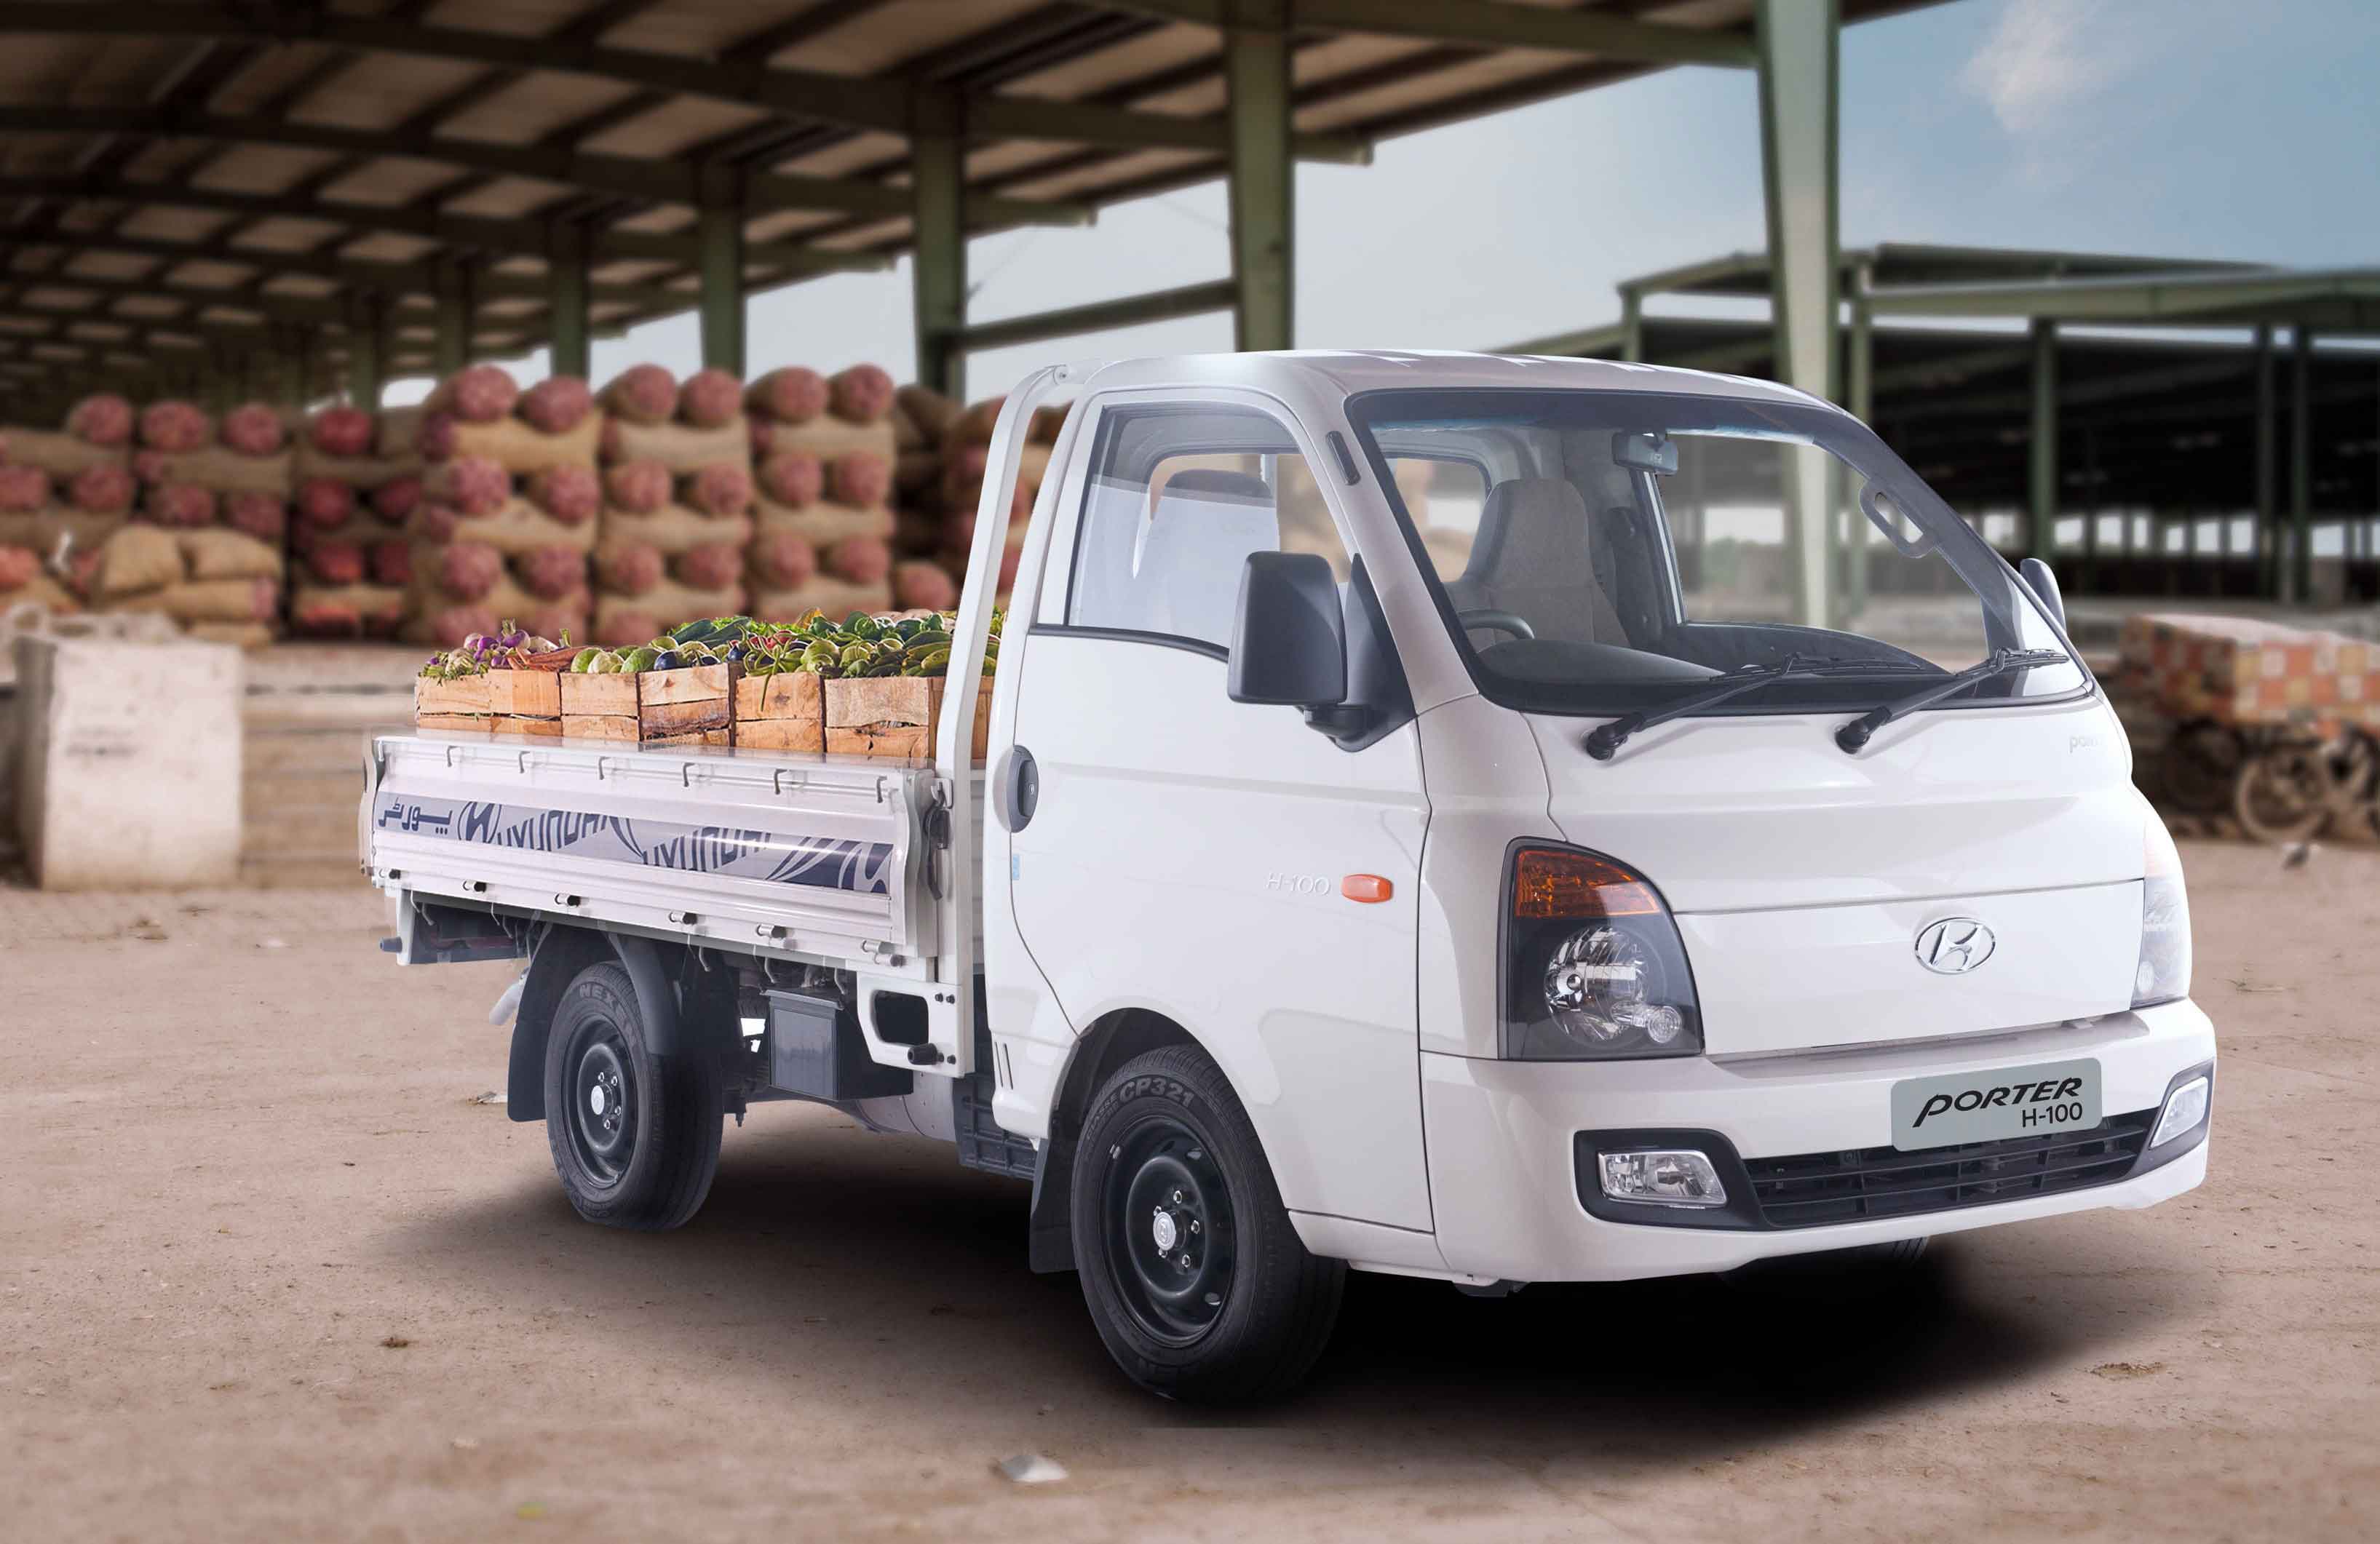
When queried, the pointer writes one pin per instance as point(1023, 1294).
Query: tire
point(635, 1135)
point(1169, 1169)
point(2284, 795)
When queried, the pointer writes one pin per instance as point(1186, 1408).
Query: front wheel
point(635, 1135)
point(1195, 1276)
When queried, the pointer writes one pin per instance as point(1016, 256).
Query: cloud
point(2044, 59)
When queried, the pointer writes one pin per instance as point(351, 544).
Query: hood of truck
point(1801, 878)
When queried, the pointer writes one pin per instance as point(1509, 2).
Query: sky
point(2175, 128)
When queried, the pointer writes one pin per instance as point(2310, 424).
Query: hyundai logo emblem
point(1954, 946)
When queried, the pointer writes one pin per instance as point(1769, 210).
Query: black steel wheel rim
point(602, 1095)
point(1170, 1239)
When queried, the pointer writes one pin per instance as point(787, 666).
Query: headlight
point(2163, 973)
point(1593, 964)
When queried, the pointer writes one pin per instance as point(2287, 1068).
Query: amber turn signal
point(1552, 884)
point(1365, 887)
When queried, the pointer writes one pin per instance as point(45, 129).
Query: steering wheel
point(1488, 618)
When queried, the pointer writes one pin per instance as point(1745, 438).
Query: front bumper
point(1502, 1141)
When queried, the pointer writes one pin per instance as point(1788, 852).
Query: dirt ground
point(267, 1271)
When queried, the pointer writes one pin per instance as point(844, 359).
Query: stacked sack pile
point(358, 484)
point(826, 450)
point(506, 521)
point(230, 480)
point(965, 450)
point(677, 503)
point(63, 493)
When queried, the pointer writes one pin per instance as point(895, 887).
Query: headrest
point(1528, 522)
point(1214, 483)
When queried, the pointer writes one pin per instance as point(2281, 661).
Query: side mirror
point(2043, 582)
point(1289, 640)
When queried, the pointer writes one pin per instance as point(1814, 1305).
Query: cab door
point(1191, 856)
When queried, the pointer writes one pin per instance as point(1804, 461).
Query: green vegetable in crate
point(584, 660)
point(638, 660)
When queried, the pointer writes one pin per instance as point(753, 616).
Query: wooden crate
point(526, 703)
point(782, 712)
point(653, 707)
point(465, 704)
point(675, 703)
point(895, 716)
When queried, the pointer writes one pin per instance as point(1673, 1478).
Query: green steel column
point(1263, 190)
point(938, 270)
point(566, 293)
point(2267, 570)
point(2041, 466)
point(366, 349)
point(451, 282)
point(718, 239)
point(1632, 324)
point(1800, 65)
point(2302, 466)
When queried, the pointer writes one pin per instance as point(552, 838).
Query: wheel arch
point(555, 959)
point(1111, 1041)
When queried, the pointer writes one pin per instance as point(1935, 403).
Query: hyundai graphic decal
point(859, 866)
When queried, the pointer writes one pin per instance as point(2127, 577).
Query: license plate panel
point(1995, 1105)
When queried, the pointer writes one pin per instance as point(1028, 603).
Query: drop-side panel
point(807, 856)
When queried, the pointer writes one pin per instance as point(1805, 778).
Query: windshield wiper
point(1605, 739)
point(1857, 733)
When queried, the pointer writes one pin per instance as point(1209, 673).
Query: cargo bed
point(800, 856)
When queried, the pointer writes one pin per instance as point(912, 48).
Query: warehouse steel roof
point(181, 175)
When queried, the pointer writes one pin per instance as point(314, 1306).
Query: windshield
point(1598, 552)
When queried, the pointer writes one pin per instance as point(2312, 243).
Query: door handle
point(1020, 790)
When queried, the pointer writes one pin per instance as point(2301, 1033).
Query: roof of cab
point(1351, 371)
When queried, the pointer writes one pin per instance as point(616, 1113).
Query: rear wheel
point(635, 1135)
point(1191, 1269)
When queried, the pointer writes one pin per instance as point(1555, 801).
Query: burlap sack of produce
point(932, 411)
point(683, 449)
point(521, 527)
point(394, 438)
point(42, 529)
point(213, 554)
point(346, 611)
point(836, 597)
point(624, 621)
point(435, 617)
point(823, 524)
point(59, 453)
point(227, 471)
point(523, 450)
point(42, 591)
point(243, 601)
point(672, 529)
point(136, 559)
point(827, 437)
point(355, 471)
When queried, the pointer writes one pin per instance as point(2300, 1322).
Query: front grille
point(1809, 1189)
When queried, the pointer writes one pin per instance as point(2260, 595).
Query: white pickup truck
point(1424, 829)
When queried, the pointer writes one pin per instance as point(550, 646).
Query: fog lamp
point(2184, 1108)
point(1675, 1177)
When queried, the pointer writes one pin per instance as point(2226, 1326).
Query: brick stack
point(2240, 671)
point(677, 503)
point(507, 518)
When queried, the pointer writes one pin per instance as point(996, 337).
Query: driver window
point(1177, 501)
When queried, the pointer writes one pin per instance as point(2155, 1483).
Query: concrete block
point(128, 764)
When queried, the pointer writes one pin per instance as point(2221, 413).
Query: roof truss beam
point(1488, 24)
point(619, 175)
point(885, 105)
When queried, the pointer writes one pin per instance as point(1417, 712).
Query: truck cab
point(1460, 817)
